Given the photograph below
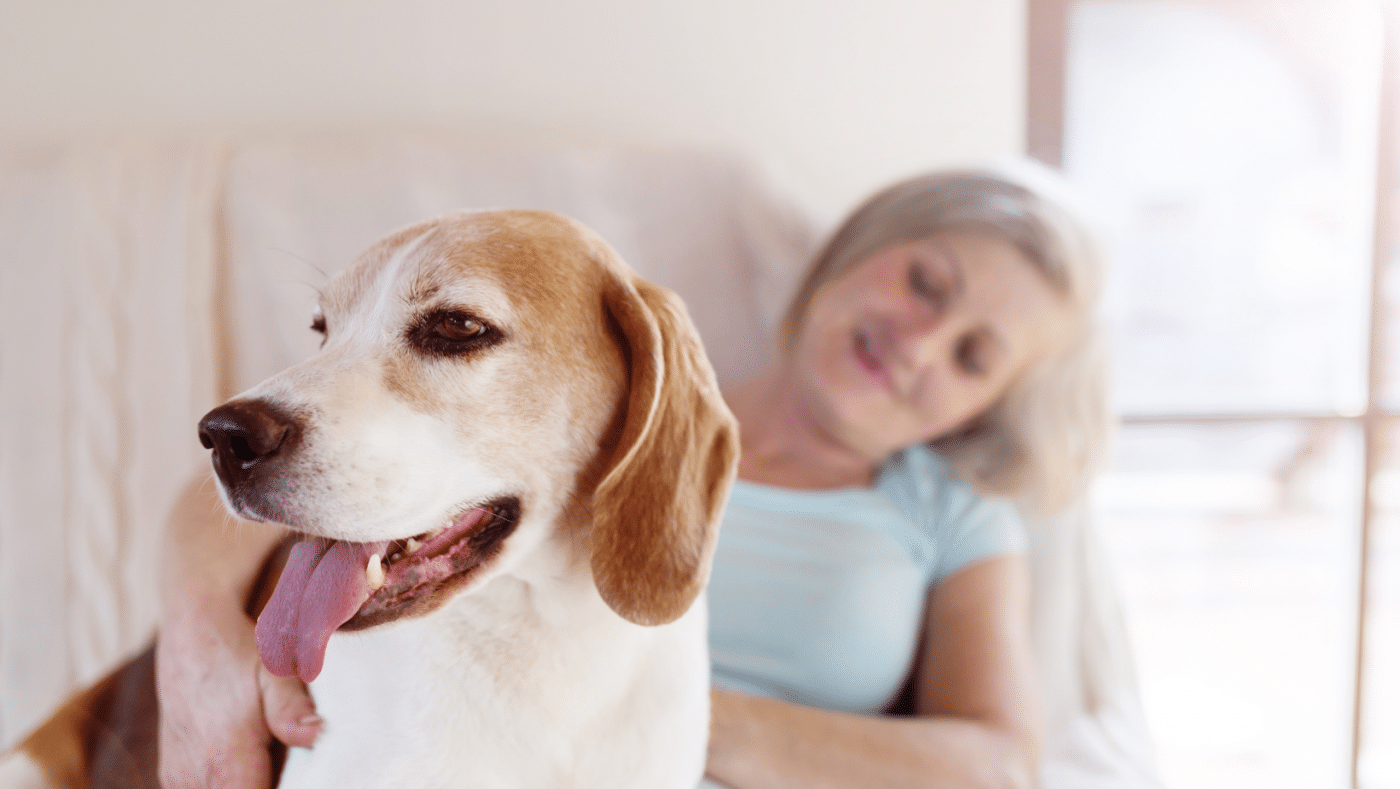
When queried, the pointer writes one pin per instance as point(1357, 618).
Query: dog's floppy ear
point(656, 512)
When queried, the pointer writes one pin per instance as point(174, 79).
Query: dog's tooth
point(413, 545)
point(374, 573)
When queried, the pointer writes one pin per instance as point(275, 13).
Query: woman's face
point(920, 337)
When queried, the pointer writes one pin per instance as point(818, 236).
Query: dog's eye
point(451, 332)
point(318, 325)
point(458, 327)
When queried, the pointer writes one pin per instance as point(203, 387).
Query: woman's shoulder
point(968, 524)
point(919, 479)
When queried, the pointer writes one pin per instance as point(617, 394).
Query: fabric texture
point(106, 364)
point(817, 597)
point(142, 282)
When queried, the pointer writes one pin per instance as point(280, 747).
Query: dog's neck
point(534, 649)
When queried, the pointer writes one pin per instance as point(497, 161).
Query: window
point(1235, 148)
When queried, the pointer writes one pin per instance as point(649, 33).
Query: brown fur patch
point(105, 736)
point(656, 514)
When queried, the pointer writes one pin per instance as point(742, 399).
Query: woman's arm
point(978, 723)
point(218, 706)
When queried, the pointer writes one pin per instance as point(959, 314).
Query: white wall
point(838, 95)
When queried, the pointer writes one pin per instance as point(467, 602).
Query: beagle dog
point(506, 466)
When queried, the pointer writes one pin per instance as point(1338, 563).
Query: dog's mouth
point(331, 584)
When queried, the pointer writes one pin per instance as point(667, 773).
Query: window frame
point(1047, 55)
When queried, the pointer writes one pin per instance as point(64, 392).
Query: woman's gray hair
point(1043, 440)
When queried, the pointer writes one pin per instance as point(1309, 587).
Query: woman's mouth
point(870, 360)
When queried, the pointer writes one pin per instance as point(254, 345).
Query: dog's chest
point(442, 701)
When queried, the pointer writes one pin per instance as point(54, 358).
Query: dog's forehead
point(504, 259)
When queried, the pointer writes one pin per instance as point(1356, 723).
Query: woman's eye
point(457, 327)
point(926, 287)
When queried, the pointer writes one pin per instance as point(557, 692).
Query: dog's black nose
point(246, 433)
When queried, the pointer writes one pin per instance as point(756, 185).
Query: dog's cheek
point(570, 409)
point(393, 473)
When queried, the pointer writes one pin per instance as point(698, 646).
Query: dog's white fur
point(526, 677)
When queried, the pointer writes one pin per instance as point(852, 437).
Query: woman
point(949, 310)
point(940, 348)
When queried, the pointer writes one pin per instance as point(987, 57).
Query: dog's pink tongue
point(322, 586)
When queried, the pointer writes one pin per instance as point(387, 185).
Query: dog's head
point(488, 382)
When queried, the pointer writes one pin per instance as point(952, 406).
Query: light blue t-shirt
point(817, 597)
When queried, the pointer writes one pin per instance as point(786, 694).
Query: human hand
point(219, 708)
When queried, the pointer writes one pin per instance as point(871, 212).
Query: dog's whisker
point(289, 253)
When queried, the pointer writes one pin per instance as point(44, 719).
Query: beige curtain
point(106, 364)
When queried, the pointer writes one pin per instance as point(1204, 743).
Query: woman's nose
point(922, 337)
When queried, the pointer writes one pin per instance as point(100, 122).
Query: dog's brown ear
point(656, 512)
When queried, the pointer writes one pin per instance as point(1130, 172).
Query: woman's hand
point(978, 723)
point(219, 708)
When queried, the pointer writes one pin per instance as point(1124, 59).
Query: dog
point(507, 464)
